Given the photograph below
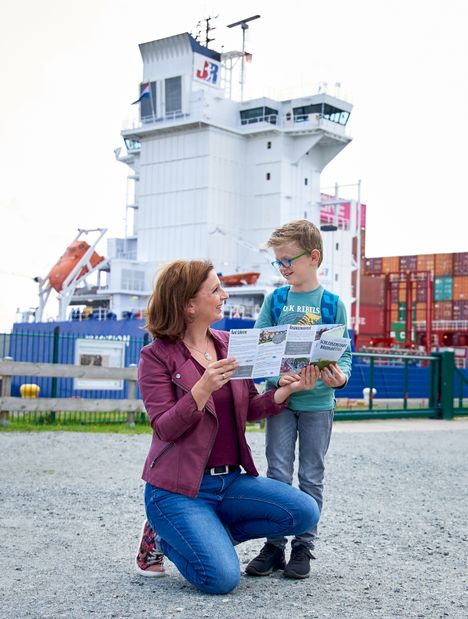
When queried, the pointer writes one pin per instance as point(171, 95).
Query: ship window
point(133, 280)
point(132, 144)
point(268, 145)
point(259, 114)
point(173, 89)
point(301, 114)
point(306, 181)
point(148, 104)
point(268, 176)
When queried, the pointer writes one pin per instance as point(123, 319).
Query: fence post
point(447, 371)
point(55, 359)
point(6, 393)
point(132, 393)
point(434, 372)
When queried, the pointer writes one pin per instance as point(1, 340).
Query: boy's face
point(302, 268)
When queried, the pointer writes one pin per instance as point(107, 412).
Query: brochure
point(285, 349)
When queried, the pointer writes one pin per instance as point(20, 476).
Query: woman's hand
point(292, 383)
point(333, 377)
point(214, 377)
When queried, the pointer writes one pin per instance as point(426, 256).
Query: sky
point(70, 69)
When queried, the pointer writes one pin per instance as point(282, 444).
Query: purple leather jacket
point(182, 435)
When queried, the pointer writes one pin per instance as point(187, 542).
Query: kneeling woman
point(197, 498)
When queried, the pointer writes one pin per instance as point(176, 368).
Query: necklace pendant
point(207, 356)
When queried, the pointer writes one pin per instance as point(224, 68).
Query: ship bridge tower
point(202, 161)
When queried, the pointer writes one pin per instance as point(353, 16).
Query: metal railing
point(439, 401)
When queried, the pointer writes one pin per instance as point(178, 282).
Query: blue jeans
point(314, 432)
point(198, 534)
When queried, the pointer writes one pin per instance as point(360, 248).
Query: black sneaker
point(299, 563)
point(269, 559)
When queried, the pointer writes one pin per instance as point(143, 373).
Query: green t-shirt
point(304, 308)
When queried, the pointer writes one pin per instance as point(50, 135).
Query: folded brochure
point(285, 349)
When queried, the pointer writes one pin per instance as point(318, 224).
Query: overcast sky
point(71, 68)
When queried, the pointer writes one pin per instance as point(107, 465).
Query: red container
point(371, 320)
point(408, 263)
point(443, 310)
point(421, 292)
point(372, 290)
point(443, 265)
point(460, 310)
point(460, 264)
point(372, 265)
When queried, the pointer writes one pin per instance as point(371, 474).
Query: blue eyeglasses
point(286, 262)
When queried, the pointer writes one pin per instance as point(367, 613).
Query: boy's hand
point(333, 377)
point(306, 379)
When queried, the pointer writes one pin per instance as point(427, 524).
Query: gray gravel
point(392, 539)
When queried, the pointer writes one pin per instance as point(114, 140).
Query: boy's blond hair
point(302, 232)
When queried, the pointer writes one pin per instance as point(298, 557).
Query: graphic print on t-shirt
point(300, 315)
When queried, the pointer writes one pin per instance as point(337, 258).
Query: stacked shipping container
point(450, 296)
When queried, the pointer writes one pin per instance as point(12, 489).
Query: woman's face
point(207, 304)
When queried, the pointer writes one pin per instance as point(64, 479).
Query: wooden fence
point(131, 405)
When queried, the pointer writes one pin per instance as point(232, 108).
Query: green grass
point(97, 428)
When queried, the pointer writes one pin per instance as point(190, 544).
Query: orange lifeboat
point(240, 279)
point(75, 251)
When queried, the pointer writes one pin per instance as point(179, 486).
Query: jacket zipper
point(166, 448)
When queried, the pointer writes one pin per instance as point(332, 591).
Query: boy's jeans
point(314, 432)
point(198, 534)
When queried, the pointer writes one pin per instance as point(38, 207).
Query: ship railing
point(444, 325)
point(147, 121)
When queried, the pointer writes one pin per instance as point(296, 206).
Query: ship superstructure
point(212, 177)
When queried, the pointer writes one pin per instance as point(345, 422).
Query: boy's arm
point(264, 318)
point(345, 362)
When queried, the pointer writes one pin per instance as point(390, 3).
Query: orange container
point(443, 264)
point(460, 288)
point(420, 311)
point(426, 263)
point(391, 264)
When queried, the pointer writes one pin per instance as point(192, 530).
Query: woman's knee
point(307, 513)
point(224, 580)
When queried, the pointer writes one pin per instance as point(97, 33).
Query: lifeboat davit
point(240, 279)
point(74, 253)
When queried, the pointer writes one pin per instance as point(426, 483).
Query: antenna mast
point(208, 29)
point(243, 24)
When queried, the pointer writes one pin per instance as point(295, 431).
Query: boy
point(309, 415)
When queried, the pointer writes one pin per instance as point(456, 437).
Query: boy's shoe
point(269, 559)
point(149, 561)
point(299, 563)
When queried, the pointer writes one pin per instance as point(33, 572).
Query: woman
point(196, 496)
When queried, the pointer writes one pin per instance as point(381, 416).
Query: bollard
point(29, 390)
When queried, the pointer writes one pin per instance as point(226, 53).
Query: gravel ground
point(392, 539)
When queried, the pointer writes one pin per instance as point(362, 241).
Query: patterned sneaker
point(299, 563)
point(149, 561)
point(269, 559)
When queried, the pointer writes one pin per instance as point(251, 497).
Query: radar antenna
point(243, 23)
